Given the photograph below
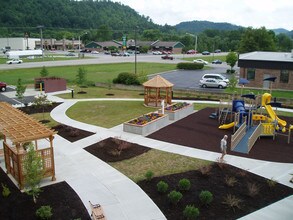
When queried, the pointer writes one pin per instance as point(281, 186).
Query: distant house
point(257, 66)
point(102, 46)
point(172, 46)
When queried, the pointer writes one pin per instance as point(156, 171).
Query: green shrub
point(6, 191)
point(127, 79)
point(190, 212)
point(45, 212)
point(190, 66)
point(206, 197)
point(174, 197)
point(184, 184)
point(149, 175)
point(162, 187)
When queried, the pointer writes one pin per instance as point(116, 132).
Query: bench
point(97, 212)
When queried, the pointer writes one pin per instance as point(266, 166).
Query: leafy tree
point(231, 59)
point(284, 42)
point(81, 76)
point(20, 89)
point(232, 83)
point(151, 34)
point(44, 72)
point(41, 101)
point(33, 169)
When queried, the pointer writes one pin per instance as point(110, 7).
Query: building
point(257, 66)
point(64, 44)
point(18, 43)
point(171, 46)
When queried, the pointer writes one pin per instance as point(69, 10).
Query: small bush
point(230, 71)
point(6, 191)
point(253, 189)
point(272, 183)
point(190, 212)
point(184, 184)
point(190, 66)
point(149, 175)
point(175, 197)
point(162, 187)
point(206, 197)
point(45, 212)
point(74, 133)
point(230, 181)
point(232, 202)
point(127, 79)
point(205, 170)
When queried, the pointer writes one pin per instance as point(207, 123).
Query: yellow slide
point(266, 98)
point(226, 126)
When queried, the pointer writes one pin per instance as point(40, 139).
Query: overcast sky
point(254, 13)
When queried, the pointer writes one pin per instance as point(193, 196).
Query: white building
point(18, 43)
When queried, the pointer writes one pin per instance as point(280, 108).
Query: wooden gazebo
point(18, 129)
point(156, 90)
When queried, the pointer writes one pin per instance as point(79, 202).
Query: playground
point(199, 131)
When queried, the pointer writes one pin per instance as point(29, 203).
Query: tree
point(44, 72)
point(231, 59)
point(41, 101)
point(33, 169)
point(20, 89)
point(284, 43)
point(81, 76)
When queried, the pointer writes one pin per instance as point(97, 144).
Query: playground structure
point(248, 121)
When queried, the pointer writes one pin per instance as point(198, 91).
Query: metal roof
point(267, 56)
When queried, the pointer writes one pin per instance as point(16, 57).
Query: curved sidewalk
point(95, 180)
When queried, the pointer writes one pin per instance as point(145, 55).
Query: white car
point(201, 61)
point(18, 61)
point(219, 77)
point(212, 83)
point(157, 52)
point(95, 52)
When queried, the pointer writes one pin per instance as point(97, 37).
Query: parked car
point(215, 76)
point(201, 61)
point(3, 86)
point(166, 52)
point(13, 61)
point(191, 52)
point(217, 62)
point(167, 57)
point(125, 54)
point(115, 54)
point(70, 54)
point(212, 83)
point(157, 52)
point(107, 52)
point(218, 51)
point(95, 52)
point(205, 53)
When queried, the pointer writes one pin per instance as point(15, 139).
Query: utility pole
point(195, 43)
point(135, 51)
point(41, 30)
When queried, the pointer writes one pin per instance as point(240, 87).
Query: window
point(284, 76)
point(250, 74)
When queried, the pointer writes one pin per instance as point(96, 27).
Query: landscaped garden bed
point(178, 110)
point(146, 124)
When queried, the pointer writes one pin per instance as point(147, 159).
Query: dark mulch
point(113, 150)
point(71, 134)
point(34, 109)
point(63, 200)
point(199, 131)
point(216, 184)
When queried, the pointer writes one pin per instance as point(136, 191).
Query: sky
point(247, 13)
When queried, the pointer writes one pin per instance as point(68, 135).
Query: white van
point(215, 76)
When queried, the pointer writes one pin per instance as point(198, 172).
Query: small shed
point(156, 90)
point(50, 84)
point(18, 129)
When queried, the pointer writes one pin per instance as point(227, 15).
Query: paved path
point(121, 198)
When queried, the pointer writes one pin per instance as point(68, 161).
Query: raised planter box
point(182, 112)
point(147, 128)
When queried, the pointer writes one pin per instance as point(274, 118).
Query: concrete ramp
point(242, 146)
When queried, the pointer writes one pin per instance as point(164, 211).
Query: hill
point(200, 26)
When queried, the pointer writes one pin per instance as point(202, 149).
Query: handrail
point(238, 135)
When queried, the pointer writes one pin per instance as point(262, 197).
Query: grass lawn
point(107, 114)
point(206, 58)
point(159, 162)
point(95, 73)
point(50, 57)
point(45, 116)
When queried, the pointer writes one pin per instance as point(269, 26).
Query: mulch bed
point(34, 109)
point(63, 200)
point(199, 131)
point(71, 134)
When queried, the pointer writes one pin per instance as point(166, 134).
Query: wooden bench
point(97, 212)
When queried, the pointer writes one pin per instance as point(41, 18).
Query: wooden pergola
point(18, 129)
point(156, 90)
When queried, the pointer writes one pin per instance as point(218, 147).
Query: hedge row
point(190, 66)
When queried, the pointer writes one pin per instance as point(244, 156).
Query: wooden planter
point(147, 128)
point(180, 113)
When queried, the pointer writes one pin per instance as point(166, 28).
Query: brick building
point(257, 66)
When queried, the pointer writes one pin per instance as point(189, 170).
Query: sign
point(124, 41)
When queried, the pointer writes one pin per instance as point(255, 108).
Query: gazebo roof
point(20, 127)
point(158, 82)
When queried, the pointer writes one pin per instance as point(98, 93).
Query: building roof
point(267, 56)
point(158, 82)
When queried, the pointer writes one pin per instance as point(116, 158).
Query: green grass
point(45, 116)
point(39, 59)
point(206, 58)
point(95, 73)
point(159, 162)
point(107, 113)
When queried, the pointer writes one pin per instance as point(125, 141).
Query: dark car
point(217, 62)
point(167, 57)
point(70, 54)
point(205, 53)
point(191, 52)
point(3, 86)
point(218, 51)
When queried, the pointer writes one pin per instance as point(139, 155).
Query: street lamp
point(195, 44)
point(41, 30)
point(79, 42)
point(135, 51)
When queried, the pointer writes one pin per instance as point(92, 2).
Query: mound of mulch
point(114, 150)
point(71, 134)
point(63, 200)
point(216, 183)
point(34, 109)
point(199, 131)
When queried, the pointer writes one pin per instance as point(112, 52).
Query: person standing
point(223, 147)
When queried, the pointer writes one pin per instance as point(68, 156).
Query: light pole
point(79, 43)
point(135, 51)
point(195, 44)
point(41, 30)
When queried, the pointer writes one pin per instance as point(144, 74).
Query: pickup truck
point(3, 86)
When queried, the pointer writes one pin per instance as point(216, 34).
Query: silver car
point(212, 83)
